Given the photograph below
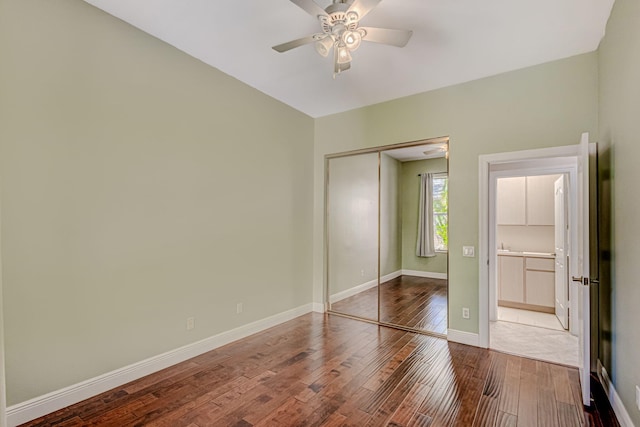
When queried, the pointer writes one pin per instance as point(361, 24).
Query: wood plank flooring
point(323, 370)
point(414, 302)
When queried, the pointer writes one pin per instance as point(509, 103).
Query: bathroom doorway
point(578, 162)
point(533, 313)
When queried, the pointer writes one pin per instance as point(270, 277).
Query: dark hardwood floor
point(323, 370)
point(414, 302)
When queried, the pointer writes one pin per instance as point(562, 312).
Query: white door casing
point(553, 160)
point(580, 270)
point(560, 231)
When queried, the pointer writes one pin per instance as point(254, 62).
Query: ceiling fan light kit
point(324, 45)
point(341, 31)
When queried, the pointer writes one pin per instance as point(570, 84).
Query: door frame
point(561, 236)
point(557, 160)
point(3, 385)
point(557, 166)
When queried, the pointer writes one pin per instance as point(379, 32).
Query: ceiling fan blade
point(398, 38)
point(293, 44)
point(311, 7)
point(362, 7)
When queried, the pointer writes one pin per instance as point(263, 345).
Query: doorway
point(577, 160)
point(530, 315)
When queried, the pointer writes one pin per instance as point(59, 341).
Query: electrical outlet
point(191, 323)
point(239, 308)
point(638, 397)
point(465, 312)
point(362, 273)
point(469, 251)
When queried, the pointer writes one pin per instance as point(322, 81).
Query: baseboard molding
point(50, 402)
point(462, 337)
point(614, 399)
point(428, 274)
point(363, 287)
point(391, 276)
point(318, 307)
point(353, 291)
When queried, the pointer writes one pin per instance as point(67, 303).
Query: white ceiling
point(453, 41)
point(418, 152)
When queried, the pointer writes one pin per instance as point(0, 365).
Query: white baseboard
point(50, 402)
point(363, 287)
point(616, 403)
point(373, 283)
point(429, 274)
point(353, 291)
point(462, 337)
point(391, 276)
point(318, 307)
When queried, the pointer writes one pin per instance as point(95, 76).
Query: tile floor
point(531, 318)
point(540, 338)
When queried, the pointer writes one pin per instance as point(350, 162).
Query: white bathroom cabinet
point(525, 200)
point(526, 281)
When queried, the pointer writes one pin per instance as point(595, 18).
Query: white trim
point(391, 276)
point(3, 388)
point(462, 337)
point(616, 403)
point(353, 291)
point(50, 402)
point(318, 307)
point(428, 274)
point(363, 287)
point(484, 164)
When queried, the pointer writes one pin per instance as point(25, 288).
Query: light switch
point(468, 251)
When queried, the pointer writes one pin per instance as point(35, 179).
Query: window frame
point(440, 175)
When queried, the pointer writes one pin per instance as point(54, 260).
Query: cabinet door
point(511, 278)
point(511, 201)
point(541, 200)
point(541, 288)
point(546, 264)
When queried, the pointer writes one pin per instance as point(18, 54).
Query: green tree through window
point(440, 191)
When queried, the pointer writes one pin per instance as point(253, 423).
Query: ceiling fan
point(340, 22)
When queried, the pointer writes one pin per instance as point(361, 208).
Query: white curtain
point(425, 247)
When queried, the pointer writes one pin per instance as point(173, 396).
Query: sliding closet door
point(352, 235)
point(413, 285)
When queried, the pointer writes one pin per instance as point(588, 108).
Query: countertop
point(507, 252)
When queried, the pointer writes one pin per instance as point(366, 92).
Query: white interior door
point(580, 269)
point(561, 276)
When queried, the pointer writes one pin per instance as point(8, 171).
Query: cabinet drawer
point(540, 288)
point(546, 264)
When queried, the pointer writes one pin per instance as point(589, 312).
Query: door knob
point(583, 280)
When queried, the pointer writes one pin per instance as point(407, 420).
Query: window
point(440, 192)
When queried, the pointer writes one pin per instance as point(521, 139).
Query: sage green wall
point(410, 211)
point(352, 221)
point(139, 187)
point(619, 61)
point(390, 215)
point(542, 106)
